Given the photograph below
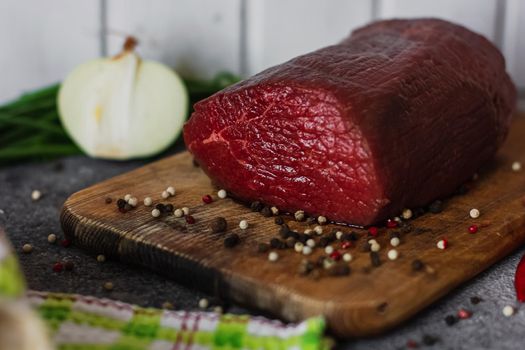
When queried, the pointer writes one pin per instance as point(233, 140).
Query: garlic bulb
point(123, 107)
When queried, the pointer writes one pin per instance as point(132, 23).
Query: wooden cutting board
point(368, 301)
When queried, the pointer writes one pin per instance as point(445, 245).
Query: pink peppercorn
point(335, 255)
point(65, 243)
point(58, 267)
point(464, 314)
point(373, 231)
point(207, 199)
point(346, 245)
point(473, 228)
point(391, 223)
point(190, 219)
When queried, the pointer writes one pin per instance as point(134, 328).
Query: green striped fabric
point(87, 323)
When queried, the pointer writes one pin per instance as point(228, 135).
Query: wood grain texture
point(368, 301)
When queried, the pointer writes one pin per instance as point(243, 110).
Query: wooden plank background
point(43, 40)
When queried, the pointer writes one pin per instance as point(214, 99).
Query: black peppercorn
point(324, 241)
point(232, 240)
point(284, 231)
point(436, 207)
point(121, 203)
point(169, 208)
point(339, 269)
point(160, 207)
point(277, 243)
point(218, 225)
point(305, 267)
point(266, 211)
point(127, 207)
point(263, 247)
point(374, 258)
point(475, 300)
point(429, 340)
point(290, 242)
point(417, 265)
point(279, 220)
point(108, 200)
point(256, 206)
point(451, 320)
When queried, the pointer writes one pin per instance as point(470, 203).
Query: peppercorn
point(222, 194)
point(127, 207)
point(475, 300)
point(346, 245)
point(284, 231)
point(160, 207)
point(464, 314)
point(58, 267)
point(243, 224)
point(266, 211)
point(406, 228)
point(155, 213)
point(299, 215)
point(273, 256)
point(27, 248)
point(321, 220)
point(101, 258)
point(108, 200)
point(108, 286)
point(309, 220)
point(207, 199)
point(69, 265)
point(429, 339)
point(305, 267)
point(373, 231)
point(36, 195)
point(324, 241)
point(417, 265)
point(450, 320)
point(274, 210)
point(473, 229)
point(232, 240)
point(436, 207)
point(302, 237)
point(277, 243)
point(218, 225)
point(263, 247)
point(133, 201)
point(339, 269)
point(148, 201)
point(165, 194)
point(121, 203)
point(290, 242)
point(256, 206)
point(65, 243)
point(279, 220)
point(52, 238)
point(374, 258)
point(391, 223)
point(190, 219)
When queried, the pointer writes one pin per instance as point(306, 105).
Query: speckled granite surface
point(31, 222)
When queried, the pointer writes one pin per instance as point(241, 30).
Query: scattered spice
point(127, 197)
point(375, 247)
point(232, 240)
point(508, 311)
point(178, 213)
point(374, 258)
point(310, 243)
point(279, 220)
point(473, 228)
point(155, 213)
point(69, 265)
point(207, 199)
point(475, 300)
point(185, 210)
point(436, 207)
point(321, 220)
point(165, 195)
point(347, 257)
point(394, 241)
point(391, 223)
point(273, 256)
point(218, 224)
point(298, 247)
point(451, 320)
point(243, 224)
point(121, 203)
point(299, 215)
point(373, 231)
point(222, 194)
point(274, 210)
point(417, 265)
point(290, 242)
point(160, 207)
point(108, 200)
point(464, 314)
point(516, 166)
point(168, 208)
point(65, 243)
point(339, 269)
point(429, 340)
point(307, 250)
point(190, 219)
point(305, 267)
point(204, 303)
point(329, 249)
point(318, 230)
point(392, 254)
point(170, 190)
point(27, 248)
point(133, 201)
point(101, 258)
point(36, 195)
point(148, 201)
point(339, 234)
point(406, 214)
point(256, 206)
point(346, 245)
point(442, 244)
point(52, 238)
point(276, 243)
point(263, 247)
point(308, 231)
point(474, 213)
point(108, 286)
point(266, 212)
point(58, 267)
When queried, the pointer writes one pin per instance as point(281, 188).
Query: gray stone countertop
point(30, 222)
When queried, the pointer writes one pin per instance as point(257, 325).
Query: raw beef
point(400, 113)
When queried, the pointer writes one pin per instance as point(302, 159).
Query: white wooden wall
point(43, 40)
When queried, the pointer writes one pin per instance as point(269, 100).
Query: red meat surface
point(400, 113)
